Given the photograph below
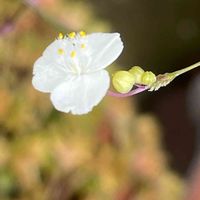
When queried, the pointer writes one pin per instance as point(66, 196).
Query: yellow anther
point(123, 81)
point(73, 54)
point(82, 46)
point(60, 36)
point(82, 33)
point(72, 35)
point(60, 51)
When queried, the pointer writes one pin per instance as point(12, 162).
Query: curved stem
point(131, 93)
point(181, 71)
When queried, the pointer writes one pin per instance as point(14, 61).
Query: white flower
point(72, 70)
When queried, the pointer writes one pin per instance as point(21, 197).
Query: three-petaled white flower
point(72, 70)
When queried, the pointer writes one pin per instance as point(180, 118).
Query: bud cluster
point(123, 81)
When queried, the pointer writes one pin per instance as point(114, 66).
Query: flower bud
point(137, 72)
point(123, 81)
point(148, 78)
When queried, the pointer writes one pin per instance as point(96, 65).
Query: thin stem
point(131, 93)
point(179, 72)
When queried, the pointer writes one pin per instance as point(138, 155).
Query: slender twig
point(138, 90)
point(164, 79)
point(179, 72)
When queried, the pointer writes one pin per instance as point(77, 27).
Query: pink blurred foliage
point(6, 28)
point(40, 2)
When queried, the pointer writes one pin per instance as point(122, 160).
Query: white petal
point(81, 93)
point(105, 48)
point(51, 52)
point(47, 76)
point(75, 64)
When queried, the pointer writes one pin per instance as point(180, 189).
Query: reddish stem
point(139, 89)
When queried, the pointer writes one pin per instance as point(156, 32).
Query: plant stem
point(179, 72)
point(131, 93)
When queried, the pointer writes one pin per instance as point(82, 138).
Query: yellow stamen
point(72, 35)
point(60, 36)
point(82, 46)
point(60, 51)
point(73, 54)
point(82, 33)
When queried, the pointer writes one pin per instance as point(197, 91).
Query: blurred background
point(141, 148)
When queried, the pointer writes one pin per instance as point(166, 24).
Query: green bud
point(148, 78)
point(123, 81)
point(137, 73)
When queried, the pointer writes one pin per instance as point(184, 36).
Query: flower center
point(77, 52)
